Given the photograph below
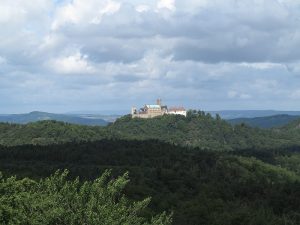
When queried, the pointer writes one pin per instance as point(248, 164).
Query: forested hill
point(176, 160)
point(198, 129)
point(47, 132)
point(265, 122)
point(200, 187)
point(202, 130)
point(292, 126)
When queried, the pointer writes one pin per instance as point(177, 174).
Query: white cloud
point(2, 60)
point(109, 9)
point(265, 85)
point(236, 95)
point(195, 6)
point(245, 96)
point(20, 12)
point(263, 65)
point(166, 4)
point(73, 64)
point(295, 94)
point(84, 12)
point(142, 8)
point(232, 94)
point(294, 68)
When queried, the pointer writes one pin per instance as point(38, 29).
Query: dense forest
point(199, 169)
point(198, 129)
point(56, 200)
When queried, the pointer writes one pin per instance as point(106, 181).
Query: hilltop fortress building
point(150, 111)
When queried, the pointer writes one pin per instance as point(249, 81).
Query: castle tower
point(158, 102)
point(133, 111)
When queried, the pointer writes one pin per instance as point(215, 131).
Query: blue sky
point(107, 55)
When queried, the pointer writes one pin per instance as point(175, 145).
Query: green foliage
point(47, 132)
point(198, 129)
point(251, 177)
point(56, 200)
point(200, 187)
point(291, 162)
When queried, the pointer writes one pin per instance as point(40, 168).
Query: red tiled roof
point(176, 109)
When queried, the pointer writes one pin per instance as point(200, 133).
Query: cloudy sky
point(97, 55)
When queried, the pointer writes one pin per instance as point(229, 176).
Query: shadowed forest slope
point(200, 187)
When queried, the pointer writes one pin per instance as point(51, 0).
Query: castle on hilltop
point(150, 111)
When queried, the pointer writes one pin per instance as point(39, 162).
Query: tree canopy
point(56, 200)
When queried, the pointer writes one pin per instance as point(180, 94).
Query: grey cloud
point(104, 50)
point(192, 55)
point(127, 78)
point(218, 33)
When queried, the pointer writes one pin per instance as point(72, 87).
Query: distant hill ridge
point(198, 129)
point(266, 121)
point(254, 118)
point(40, 116)
point(234, 114)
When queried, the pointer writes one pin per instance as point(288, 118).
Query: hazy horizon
point(124, 112)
